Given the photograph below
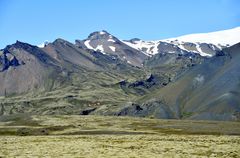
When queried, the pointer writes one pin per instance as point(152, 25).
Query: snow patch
point(110, 40)
point(182, 47)
point(87, 44)
point(100, 48)
point(102, 33)
point(150, 46)
point(112, 48)
point(201, 52)
point(131, 45)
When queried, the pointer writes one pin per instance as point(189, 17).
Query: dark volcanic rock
point(87, 111)
point(155, 109)
point(7, 60)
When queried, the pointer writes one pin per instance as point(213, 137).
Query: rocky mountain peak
point(60, 40)
point(99, 35)
point(20, 44)
point(133, 40)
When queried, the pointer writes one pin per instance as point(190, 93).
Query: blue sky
point(35, 21)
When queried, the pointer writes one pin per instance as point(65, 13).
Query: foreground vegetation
point(103, 136)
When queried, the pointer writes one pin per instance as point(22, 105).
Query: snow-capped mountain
point(106, 43)
point(134, 51)
point(219, 38)
point(173, 46)
point(205, 44)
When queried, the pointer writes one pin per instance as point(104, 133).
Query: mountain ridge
point(103, 75)
point(197, 43)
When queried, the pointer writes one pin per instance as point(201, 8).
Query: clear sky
point(34, 21)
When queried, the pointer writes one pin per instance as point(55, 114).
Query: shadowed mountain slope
point(208, 91)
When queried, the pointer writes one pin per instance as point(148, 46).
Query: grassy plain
point(104, 136)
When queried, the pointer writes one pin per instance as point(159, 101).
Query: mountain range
point(189, 77)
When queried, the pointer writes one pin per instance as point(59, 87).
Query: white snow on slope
point(231, 37)
point(201, 52)
point(182, 47)
point(150, 46)
point(88, 45)
point(112, 48)
point(110, 40)
point(219, 39)
point(131, 45)
point(100, 48)
point(102, 33)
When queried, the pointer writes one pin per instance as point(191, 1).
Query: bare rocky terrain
point(66, 78)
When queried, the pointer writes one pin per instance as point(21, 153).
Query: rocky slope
point(106, 76)
point(108, 44)
point(25, 68)
point(207, 91)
